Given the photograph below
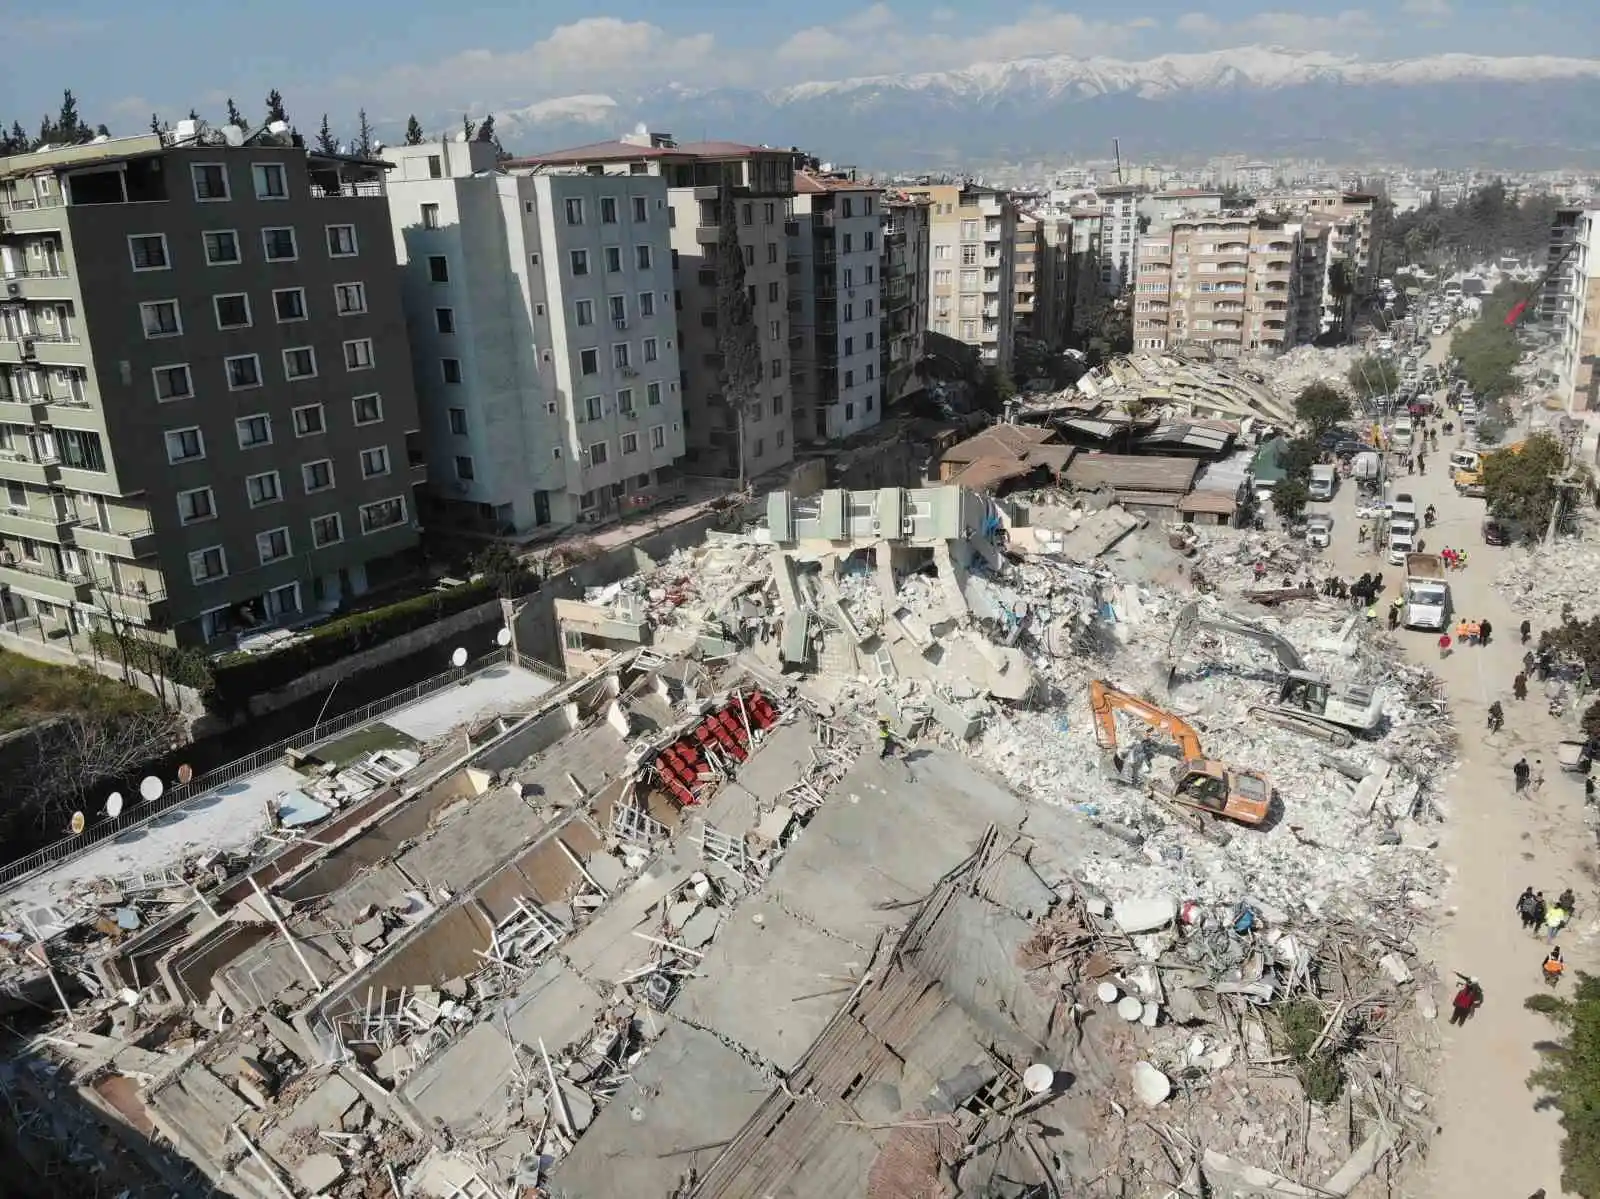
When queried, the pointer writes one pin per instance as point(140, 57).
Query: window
point(772, 252)
point(342, 241)
point(273, 545)
point(580, 262)
point(300, 363)
point(941, 253)
point(161, 318)
point(774, 331)
point(358, 354)
point(619, 308)
point(464, 470)
point(650, 353)
point(749, 256)
point(80, 449)
point(185, 445)
point(620, 356)
point(774, 292)
point(196, 506)
point(849, 346)
point(647, 303)
point(613, 259)
point(375, 462)
point(327, 530)
point(210, 181)
point(279, 245)
point(233, 312)
point(658, 437)
point(368, 410)
point(173, 383)
point(444, 320)
point(777, 405)
point(866, 238)
point(254, 431)
point(263, 489)
point(458, 421)
point(574, 211)
point(243, 371)
point(208, 565)
point(309, 420)
point(747, 214)
point(585, 312)
point(430, 216)
point(438, 268)
point(450, 369)
point(652, 395)
point(777, 370)
point(630, 443)
point(289, 304)
point(597, 454)
point(350, 299)
point(941, 278)
point(608, 210)
point(641, 209)
point(435, 167)
point(149, 251)
point(641, 255)
point(221, 246)
point(778, 437)
point(849, 244)
point(317, 476)
point(591, 408)
point(271, 181)
point(589, 361)
point(384, 514)
point(625, 401)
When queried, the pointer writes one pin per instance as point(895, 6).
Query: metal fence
point(141, 813)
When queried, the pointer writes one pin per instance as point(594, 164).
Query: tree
point(155, 123)
point(500, 565)
point(468, 127)
point(1374, 376)
point(1289, 498)
point(414, 134)
point(235, 117)
point(1322, 407)
point(738, 346)
point(1569, 1074)
point(275, 108)
point(364, 138)
point(486, 130)
point(73, 757)
point(326, 143)
point(1520, 485)
point(1488, 348)
point(995, 390)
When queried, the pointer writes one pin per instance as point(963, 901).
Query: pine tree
point(69, 124)
point(325, 142)
point(275, 109)
point(414, 134)
point(102, 130)
point(18, 139)
point(468, 127)
point(486, 130)
point(235, 117)
point(737, 342)
point(364, 139)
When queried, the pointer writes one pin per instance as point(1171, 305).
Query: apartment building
point(1119, 237)
point(1558, 292)
point(1227, 283)
point(207, 420)
point(972, 233)
point(1044, 275)
point(903, 266)
point(762, 182)
point(1318, 310)
point(1160, 207)
point(836, 306)
point(1357, 233)
point(1084, 289)
point(1578, 325)
point(543, 337)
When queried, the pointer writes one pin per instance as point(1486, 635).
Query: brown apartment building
point(206, 402)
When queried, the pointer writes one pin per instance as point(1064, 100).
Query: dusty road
point(1492, 1141)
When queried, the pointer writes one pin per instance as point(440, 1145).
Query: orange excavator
point(1197, 782)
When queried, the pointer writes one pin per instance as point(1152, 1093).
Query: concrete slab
point(689, 1090)
point(605, 949)
point(501, 689)
point(554, 1004)
point(782, 761)
point(473, 841)
point(770, 983)
point(466, 1085)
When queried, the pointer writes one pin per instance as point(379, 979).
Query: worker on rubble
point(1484, 629)
point(1554, 967)
point(1555, 917)
point(1444, 645)
point(887, 741)
point(1568, 902)
point(1528, 908)
point(1394, 618)
point(1466, 1001)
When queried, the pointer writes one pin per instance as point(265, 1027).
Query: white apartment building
point(1577, 326)
point(1119, 237)
point(696, 175)
point(972, 235)
point(543, 336)
point(836, 306)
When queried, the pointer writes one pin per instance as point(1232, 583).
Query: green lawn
point(363, 742)
point(33, 691)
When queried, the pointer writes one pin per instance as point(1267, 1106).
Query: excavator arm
point(1105, 700)
point(1191, 622)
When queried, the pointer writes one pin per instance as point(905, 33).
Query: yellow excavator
point(1197, 782)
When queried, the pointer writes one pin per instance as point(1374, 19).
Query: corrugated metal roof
point(1129, 472)
point(1216, 502)
point(988, 473)
point(998, 441)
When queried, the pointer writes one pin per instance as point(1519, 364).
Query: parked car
point(1319, 532)
point(1496, 532)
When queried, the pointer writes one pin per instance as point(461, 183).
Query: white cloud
point(1433, 10)
point(1300, 31)
point(942, 15)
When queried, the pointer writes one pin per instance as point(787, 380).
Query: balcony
point(707, 235)
point(796, 340)
point(135, 601)
point(18, 467)
point(140, 543)
point(41, 284)
point(360, 189)
point(23, 410)
point(31, 215)
point(38, 526)
point(52, 349)
point(791, 228)
point(42, 580)
point(794, 304)
point(791, 266)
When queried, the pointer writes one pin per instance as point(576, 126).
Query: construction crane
point(1306, 702)
point(1196, 782)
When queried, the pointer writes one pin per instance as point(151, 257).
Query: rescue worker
point(1553, 966)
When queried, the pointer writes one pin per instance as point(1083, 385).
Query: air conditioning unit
point(13, 288)
point(28, 351)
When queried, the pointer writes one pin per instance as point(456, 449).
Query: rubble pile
point(1294, 370)
point(1546, 581)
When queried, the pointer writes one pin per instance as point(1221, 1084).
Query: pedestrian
point(1484, 630)
point(1568, 902)
point(886, 740)
point(1461, 630)
point(1462, 1005)
point(1554, 917)
point(1372, 613)
point(1519, 686)
point(1411, 466)
point(1554, 967)
point(1444, 645)
point(1536, 777)
point(1527, 908)
point(1538, 912)
point(1422, 464)
point(1527, 631)
point(1527, 662)
point(1519, 772)
point(1588, 790)
point(1394, 618)
point(1497, 716)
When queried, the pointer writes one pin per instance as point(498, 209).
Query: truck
point(1324, 481)
point(1427, 593)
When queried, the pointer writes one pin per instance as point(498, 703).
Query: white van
point(1402, 544)
point(1400, 434)
point(1324, 481)
point(1464, 460)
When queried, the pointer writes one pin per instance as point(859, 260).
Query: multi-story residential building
point(836, 306)
point(1227, 282)
point(1318, 310)
point(972, 233)
point(1084, 289)
point(1356, 235)
point(207, 420)
point(1578, 325)
point(697, 176)
point(903, 266)
point(1028, 254)
point(543, 335)
point(1557, 293)
point(1160, 207)
point(1119, 237)
point(1044, 275)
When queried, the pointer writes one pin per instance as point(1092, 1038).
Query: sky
point(395, 57)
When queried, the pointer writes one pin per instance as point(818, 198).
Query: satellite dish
point(114, 804)
point(185, 773)
point(279, 127)
point(462, 136)
point(459, 658)
point(233, 135)
point(150, 788)
point(377, 147)
point(78, 823)
point(503, 638)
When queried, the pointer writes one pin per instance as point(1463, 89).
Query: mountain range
point(1447, 109)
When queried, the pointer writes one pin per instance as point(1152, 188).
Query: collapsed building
point(684, 925)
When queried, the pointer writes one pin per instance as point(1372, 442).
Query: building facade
point(696, 176)
point(207, 420)
point(1557, 293)
point(1119, 237)
point(1356, 220)
point(1578, 325)
point(543, 337)
point(972, 234)
point(904, 268)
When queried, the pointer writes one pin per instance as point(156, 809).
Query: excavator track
point(1305, 725)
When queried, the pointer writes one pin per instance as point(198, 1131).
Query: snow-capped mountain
point(1507, 111)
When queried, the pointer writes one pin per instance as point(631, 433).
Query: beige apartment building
point(1043, 272)
point(904, 265)
point(972, 233)
point(1355, 218)
point(763, 183)
point(1227, 284)
point(207, 421)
